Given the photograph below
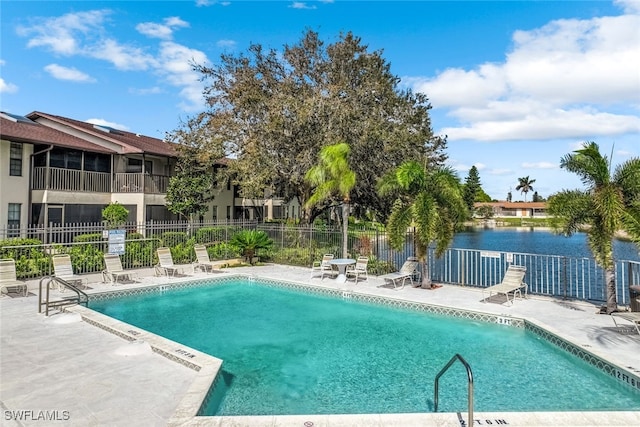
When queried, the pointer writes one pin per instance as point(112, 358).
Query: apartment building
point(516, 209)
point(57, 170)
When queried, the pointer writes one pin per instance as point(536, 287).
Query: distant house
point(516, 209)
point(57, 170)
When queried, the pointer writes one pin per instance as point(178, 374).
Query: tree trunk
point(610, 283)
point(426, 274)
point(345, 226)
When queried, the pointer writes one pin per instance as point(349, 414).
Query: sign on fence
point(116, 241)
point(489, 254)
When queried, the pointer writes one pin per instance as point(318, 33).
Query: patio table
point(342, 264)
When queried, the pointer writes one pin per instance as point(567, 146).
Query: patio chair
point(165, 264)
point(114, 271)
point(323, 266)
point(63, 269)
point(202, 259)
point(359, 269)
point(8, 280)
point(633, 315)
point(512, 283)
point(407, 271)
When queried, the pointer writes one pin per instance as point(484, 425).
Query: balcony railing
point(70, 180)
point(97, 182)
point(140, 183)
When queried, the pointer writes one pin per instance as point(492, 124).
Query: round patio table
point(342, 264)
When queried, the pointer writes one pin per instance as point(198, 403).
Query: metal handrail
point(470, 390)
point(80, 298)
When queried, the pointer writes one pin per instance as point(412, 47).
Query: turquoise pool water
point(287, 352)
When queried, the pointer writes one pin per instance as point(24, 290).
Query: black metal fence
point(558, 276)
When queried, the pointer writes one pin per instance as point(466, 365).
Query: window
point(15, 159)
point(228, 212)
point(65, 159)
point(214, 212)
point(96, 162)
point(13, 219)
point(135, 166)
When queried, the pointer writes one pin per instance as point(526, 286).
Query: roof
point(36, 133)
point(514, 205)
point(129, 141)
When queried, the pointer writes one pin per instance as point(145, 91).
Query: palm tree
point(332, 175)
point(610, 203)
point(429, 200)
point(525, 185)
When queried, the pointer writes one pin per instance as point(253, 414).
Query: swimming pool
point(291, 353)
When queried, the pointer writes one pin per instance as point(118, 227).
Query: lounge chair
point(512, 283)
point(323, 266)
point(8, 280)
point(165, 264)
point(407, 271)
point(632, 316)
point(202, 259)
point(359, 269)
point(114, 271)
point(63, 269)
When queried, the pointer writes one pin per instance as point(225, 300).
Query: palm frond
point(569, 209)
point(399, 220)
point(587, 162)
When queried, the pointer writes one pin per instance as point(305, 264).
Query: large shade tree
point(609, 203)
point(333, 177)
point(273, 111)
point(430, 199)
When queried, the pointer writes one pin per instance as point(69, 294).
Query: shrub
point(212, 234)
point(250, 241)
point(114, 215)
point(92, 237)
point(223, 251)
point(29, 255)
point(173, 238)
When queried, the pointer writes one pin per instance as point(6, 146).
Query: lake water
point(534, 240)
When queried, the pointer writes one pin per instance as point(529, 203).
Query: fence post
point(564, 277)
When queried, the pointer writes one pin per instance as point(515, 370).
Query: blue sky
point(514, 85)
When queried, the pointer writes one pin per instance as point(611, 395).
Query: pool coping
point(208, 367)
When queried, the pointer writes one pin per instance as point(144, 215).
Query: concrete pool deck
point(78, 374)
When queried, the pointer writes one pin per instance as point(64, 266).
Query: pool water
point(286, 352)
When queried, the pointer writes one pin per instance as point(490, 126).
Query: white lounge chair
point(407, 271)
point(165, 264)
point(323, 266)
point(63, 269)
point(8, 280)
point(113, 270)
point(203, 261)
point(359, 269)
point(512, 283)
point(633, 315)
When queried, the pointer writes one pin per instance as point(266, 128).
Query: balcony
point(140, 183)
point(70, 180)
point(97, 182)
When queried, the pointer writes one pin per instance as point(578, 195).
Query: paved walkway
point(81, 375)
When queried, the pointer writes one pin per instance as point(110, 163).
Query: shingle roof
point(130, 142)
point(514, 205)
point(35, 133)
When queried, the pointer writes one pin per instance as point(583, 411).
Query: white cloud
point(567, 79)
point(103, 122)
point(161, 31)
point(629, 6)
point(83, 34)
point(539, 165)
point(148, 91)
point(624, 153)
point(499, 172)
point(62, 34)
point(65, 73)
point(201, 3)
point(175, 64)
point(226, 44)
point(301, 5)
point(123, 57)
point(7, 87)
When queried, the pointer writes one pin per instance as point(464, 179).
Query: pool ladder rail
point(79, 298)
point(470, 386)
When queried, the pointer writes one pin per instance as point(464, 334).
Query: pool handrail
point(470, 387)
